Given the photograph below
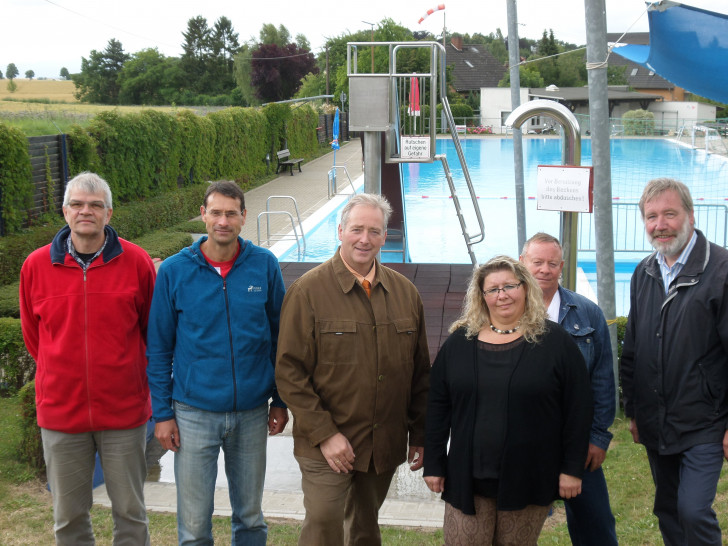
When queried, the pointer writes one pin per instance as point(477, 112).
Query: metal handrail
point(268, 213)
point(332, 181)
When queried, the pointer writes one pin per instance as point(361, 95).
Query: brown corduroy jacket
point(352, 364)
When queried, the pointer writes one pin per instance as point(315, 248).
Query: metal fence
point(629, 233)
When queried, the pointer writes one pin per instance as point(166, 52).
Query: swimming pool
point(434, 234)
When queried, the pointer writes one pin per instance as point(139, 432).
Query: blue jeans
point(242, 436)
point(588, 515)
point(685, 487)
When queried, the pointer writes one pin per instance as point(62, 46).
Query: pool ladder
point(296, 226)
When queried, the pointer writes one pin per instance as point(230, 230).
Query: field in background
point(58, 91)
point(26, 110)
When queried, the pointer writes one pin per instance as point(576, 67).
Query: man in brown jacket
point(353, 368)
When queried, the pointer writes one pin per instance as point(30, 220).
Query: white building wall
point(495, 105)
point(673, 114)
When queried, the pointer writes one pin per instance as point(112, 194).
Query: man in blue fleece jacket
point(213, 333)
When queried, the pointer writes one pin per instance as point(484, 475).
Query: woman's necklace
point(504, 332)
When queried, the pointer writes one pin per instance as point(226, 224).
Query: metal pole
point(514, 57)
point(444, 46)
point(571, 155)
point(372, 162)
point(596, 54)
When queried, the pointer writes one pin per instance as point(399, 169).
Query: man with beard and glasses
point(675, 364)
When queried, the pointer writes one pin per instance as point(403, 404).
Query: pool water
point(433, 231)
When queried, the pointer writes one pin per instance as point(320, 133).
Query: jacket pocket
point(406, 338)
point(337, 342)
point(712, 379)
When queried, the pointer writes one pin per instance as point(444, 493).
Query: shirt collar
point(369, 276)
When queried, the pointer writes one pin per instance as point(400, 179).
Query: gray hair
point(369, 200)
point(658, 186)
point(89, 183)
point(541, 237)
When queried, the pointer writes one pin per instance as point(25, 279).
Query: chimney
point(457, 42)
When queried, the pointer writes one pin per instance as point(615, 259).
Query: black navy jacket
point(675, 359)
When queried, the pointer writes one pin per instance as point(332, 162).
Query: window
point(634, 71)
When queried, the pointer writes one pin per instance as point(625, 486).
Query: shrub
point(31, 445)
point(17, 367)
point(136, 219)
point(16, 187)
point(638, 122)
point(9, 305)
point(15, 248)
point(621, 327)
point(163, 244)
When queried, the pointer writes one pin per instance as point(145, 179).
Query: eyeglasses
point(495, 291)
point(229, 214)
point(96, 206)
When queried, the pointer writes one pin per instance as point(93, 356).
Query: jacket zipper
point(85, 341)
point(232, 352)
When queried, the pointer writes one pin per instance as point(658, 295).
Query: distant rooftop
point(473, 66)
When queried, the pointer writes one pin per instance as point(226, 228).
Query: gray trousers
point(70, 460)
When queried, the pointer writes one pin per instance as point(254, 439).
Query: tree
point(142, 79)
point(242, 72)
point(196, 53)
point(1, 75)
point(11, 71)
point(98, 80)
point(223, 47)
point(64, 73)
point(270, 35)
point(276, 72)
point(29, 74)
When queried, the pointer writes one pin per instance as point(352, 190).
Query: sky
point(47, 35)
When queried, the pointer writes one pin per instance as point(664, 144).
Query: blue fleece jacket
point(211, 342)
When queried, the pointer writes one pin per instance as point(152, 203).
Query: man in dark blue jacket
point(213, 333)
point(675, 364)
point(588, 515)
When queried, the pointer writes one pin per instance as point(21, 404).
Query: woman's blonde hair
point(475, 313)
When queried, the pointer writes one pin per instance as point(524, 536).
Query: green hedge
point(638, 122)
point(31, 445)
point(149, 153)
point(9, 305)
point(135, 219)
point(16, 365)
point(15, 248)
point(163, 244)
point(16, 179)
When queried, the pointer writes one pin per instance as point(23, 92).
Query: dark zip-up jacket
point(212, 340)
point(674, 364)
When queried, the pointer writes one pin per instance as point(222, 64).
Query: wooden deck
point(441, 286)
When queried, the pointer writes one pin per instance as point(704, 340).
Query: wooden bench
point(285, 161)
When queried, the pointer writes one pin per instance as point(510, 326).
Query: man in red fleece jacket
point(84, 305)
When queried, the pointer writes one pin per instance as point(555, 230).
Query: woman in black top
point(510, 391)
